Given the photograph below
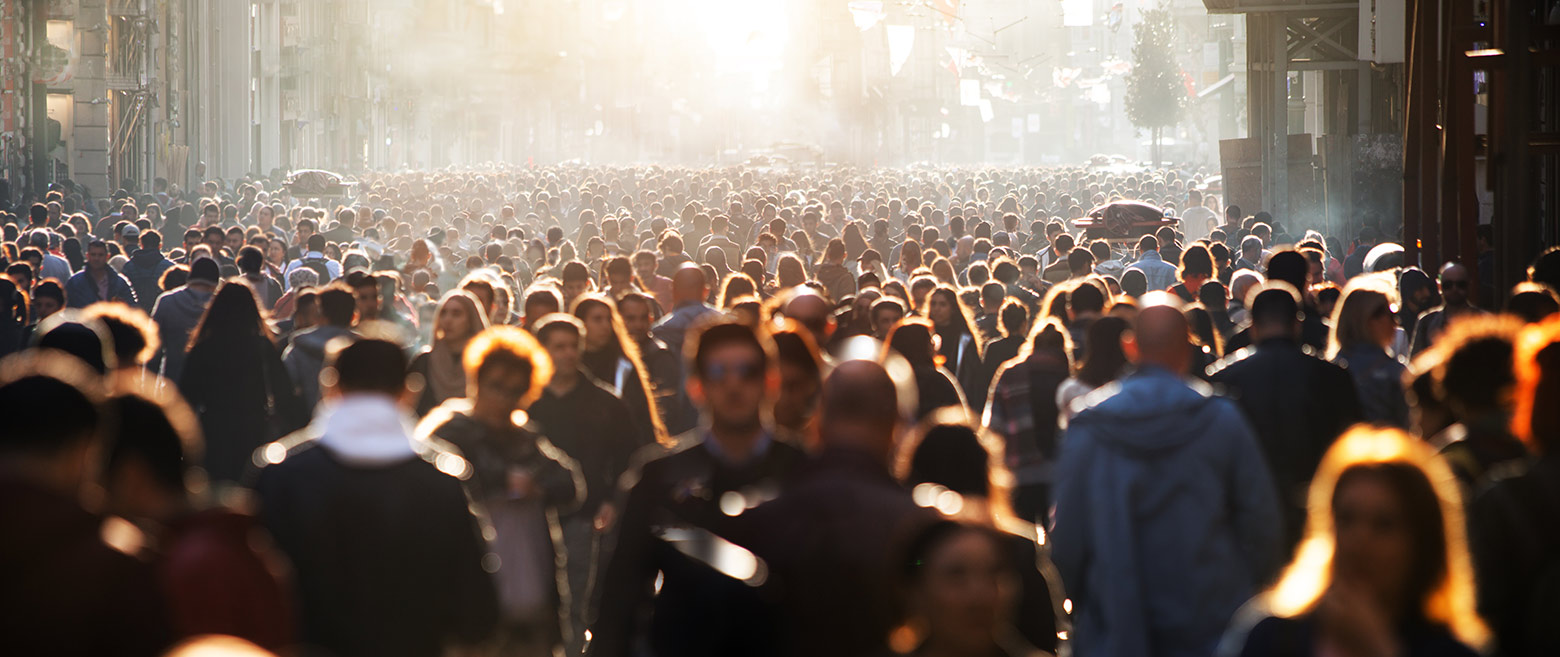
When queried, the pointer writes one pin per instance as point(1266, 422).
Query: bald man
point(829, 540)
point(690, 289)
point(1455, 302)
point(1166, 518)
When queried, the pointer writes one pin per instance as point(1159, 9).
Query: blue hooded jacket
point(1166, 517)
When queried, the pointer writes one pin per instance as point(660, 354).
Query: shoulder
point(1232, 363)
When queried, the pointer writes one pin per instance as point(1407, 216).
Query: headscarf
point(446, 373)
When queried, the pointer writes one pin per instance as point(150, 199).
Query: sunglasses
point(1454, 283)
point(720, 372)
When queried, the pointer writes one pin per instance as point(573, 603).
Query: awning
point(1216, 87)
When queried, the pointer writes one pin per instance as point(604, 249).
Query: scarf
point(446, 375)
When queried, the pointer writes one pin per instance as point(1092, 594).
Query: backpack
point(320, 267)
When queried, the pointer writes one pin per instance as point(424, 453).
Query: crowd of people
point(661, 411)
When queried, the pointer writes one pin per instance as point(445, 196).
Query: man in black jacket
point(699, 610)
point(1297, 402)
point(582, 417)
point(829, 540)
point(388, 557)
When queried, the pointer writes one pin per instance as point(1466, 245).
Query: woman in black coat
point(234, 379)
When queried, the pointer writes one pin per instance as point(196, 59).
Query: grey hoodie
point(177, 312)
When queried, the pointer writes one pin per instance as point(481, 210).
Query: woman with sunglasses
point(1363, 328)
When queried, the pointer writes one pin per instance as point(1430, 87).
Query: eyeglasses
point(719, 372)
point(1454, 283)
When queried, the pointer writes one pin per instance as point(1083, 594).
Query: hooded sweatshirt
point(1166, 518)
point(176, 313)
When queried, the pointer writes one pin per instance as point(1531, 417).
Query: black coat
point(244, 398)
point(388, 559)
point(593, 427)
point(698, 610)
point(831, 542)
point(1298, 404)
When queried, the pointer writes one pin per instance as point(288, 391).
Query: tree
point(1156, 97)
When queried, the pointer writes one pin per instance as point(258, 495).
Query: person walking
point(388, 556)
point(698, 610)
point(1166, 519)
point(234, 379)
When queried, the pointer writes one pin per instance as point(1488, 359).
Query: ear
point(696, 391)
point(1129, 346)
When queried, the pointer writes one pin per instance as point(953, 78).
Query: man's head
point(506, 368)
point(1080, 262)
point(563, 336)
point(859, 409)
point(337, 305)
point(215, 238)
point(1147, 243)
point(51, 406)
point(48, 298)
point(635, 309)
point(365, 289)
point(576, 281)
point(644, 264)
point(886, 312)
point(146, 456)
point(250, 259)
point(1454, 284)
point(1163, 338)
point(991, 296)
point(97, 256)
point(689, 285)
point(369, 366)
point(1275, 312)
point(731, 374)
point(809, 309)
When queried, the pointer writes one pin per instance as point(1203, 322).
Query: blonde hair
point(508, 344)
point(1362, 299)
point(1449, 598)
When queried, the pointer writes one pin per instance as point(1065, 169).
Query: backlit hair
point(1362, 299)
point(1447, 594)
point(511, 346)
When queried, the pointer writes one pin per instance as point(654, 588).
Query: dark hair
point(146, 433)
point(1080, 261)
point(1086, 297)
point(337, 305)
point(1421, 510)
point(952, 456)
point(1195, 261)
point(719, 333)
point(250, 259)
point(1134, 282)
point(912, 339)
point(368, 365)
point(1290, 267)
point(1276, 304)
point(48, 406)
point(551, 323)
point(1103, 358)
point(962, 325)
point(231, 315)
point(49, 288)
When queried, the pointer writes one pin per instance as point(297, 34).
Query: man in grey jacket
point(178, 310)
